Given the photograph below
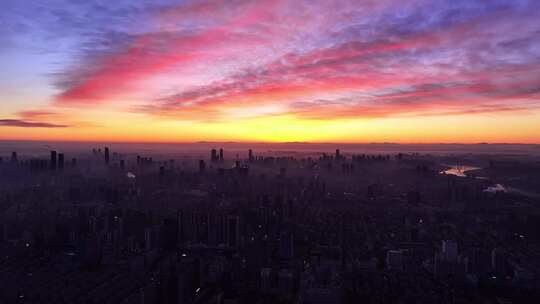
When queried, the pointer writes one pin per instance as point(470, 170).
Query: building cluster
point(341, 228)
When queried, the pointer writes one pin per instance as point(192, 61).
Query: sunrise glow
point(319, 71)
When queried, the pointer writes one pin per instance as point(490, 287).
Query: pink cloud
point(405, 69)
point(152, 53)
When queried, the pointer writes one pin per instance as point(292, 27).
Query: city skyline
point(271, 71)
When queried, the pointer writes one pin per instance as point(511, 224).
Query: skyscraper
point(202, 166)
point(286, 245)
point(449, 250)
point(266, 279)
point(53, 160)
point(107, 156)
point(213, 155)
point(180, 226)
point(60, 161)
point(161, 171)
point(394, 259)
point(338, 155)
point(221, 155)
point(250, 155)
point(233, 231)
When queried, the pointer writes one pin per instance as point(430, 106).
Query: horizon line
point(269, 142)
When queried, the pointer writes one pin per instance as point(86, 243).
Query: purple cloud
point(28, 124)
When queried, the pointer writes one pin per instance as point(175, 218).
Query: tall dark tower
point(107, 156)
point(202, 166)
point(61, 161)
point(250, 155)
point(338, 155)
point(122, 164)
point(180, 226)
point(14, 157)
point(233, 231)
point(221, 155)
point(213, 156)
point(53, 160)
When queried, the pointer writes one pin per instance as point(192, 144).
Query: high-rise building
point(107, 155)
point(148, 239)
point(122, 164)
point(180, 226)
point(286, 245)
point(221, 155)
point(169, 234)
point(73, 162)
point(394, 259)
point(285, 281)
point(266, 279)
point(14, 157)
point(338, 155)
point(60, 161)
point(498, 261)
point(202, 165)
point(449, 250)
point(480, 261)
point(213, 155)
point(53, 160)
point(250, 155)
point(233, 231)
point(161, 171)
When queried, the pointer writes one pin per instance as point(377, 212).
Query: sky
point(405, 71)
